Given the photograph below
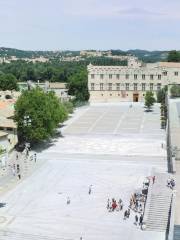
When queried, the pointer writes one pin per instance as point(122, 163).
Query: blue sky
point(90, 24)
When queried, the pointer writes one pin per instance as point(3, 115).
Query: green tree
point(78, 86)
point(149, 100)
point(8, 82)
point(161, 95)
point(174, 56)
point(175, 91)
point(45, 112)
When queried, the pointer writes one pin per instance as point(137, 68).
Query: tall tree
point(8, 82)
point(43, 111)
point(149, 100)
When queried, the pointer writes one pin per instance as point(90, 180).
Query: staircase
point(158, 204)
point(11, 235)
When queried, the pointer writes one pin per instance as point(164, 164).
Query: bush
point(175, 91)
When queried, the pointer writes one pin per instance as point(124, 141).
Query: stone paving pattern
point(111, 147)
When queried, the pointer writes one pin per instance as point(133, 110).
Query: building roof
point(7, 123)
point(7, 108)
point(169, 64)
point(57, 85)
point(2, 133)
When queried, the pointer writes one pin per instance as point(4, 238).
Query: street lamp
point(27, 123)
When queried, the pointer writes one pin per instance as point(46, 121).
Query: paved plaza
point(111, 147)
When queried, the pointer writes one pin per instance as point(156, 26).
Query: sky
point(90, 24)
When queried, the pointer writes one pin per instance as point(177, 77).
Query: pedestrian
point(121, 206)
point(108, 204)
point(153, 178)
point(141, 220)
point(19, 176)
point(172, 183)
point(128, 212)
point(16, 156)
point(136, 220)
point(35, 157)
point(140, 207)
point(17, 166)
point(169, 182)
point(114, 205)
point(68, 201)
point(125, 215)
point(90, 189)
point(136, 205)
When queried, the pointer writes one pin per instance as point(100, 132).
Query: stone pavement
point(114, 162)
point(8, 177)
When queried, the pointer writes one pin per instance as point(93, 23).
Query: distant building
point(8, 128)
point(130, 83)
point(59, 88)
point(89, 53)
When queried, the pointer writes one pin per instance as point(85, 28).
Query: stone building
point(130, 83)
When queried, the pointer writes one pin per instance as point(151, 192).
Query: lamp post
point(27, 123)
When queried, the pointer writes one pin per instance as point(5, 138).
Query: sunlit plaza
point(110, 147)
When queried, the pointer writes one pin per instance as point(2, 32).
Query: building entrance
point(135, 97)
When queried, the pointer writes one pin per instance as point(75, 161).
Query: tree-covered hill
point(146, 56)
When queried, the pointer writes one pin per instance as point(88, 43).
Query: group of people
point(136, 202)
point(135, 205)
point(171, 183)
point(114, 205)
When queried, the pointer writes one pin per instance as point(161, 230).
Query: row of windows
point(127, 86)
point(143, 76)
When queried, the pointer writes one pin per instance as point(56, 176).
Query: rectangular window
point(151, 77)
point(92, 86)
point(110, 76)
point(165, 73)
point(101, 86)
point(117, 76)
point(143, 87)
point(135, 86)
point(176, 73)
point(127, 86)
point(135, 76)
point(110, 86)
point(151, 86)
point(159, 76)
point(92, 76)
point(117, 86)
point(158, 86)
point(143, 76)
point(101, 76)
point(127, 76)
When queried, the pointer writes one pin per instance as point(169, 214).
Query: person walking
point(35, 157)
point(153, 178)
point(141, 220)
point(68, 201)
point(128, 212)
point(90, 189)
point(125, 215)
point(136, 220)
point(108, 203)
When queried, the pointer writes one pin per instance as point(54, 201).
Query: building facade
point(130, 83)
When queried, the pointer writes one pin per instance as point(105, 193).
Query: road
point(111, 147)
